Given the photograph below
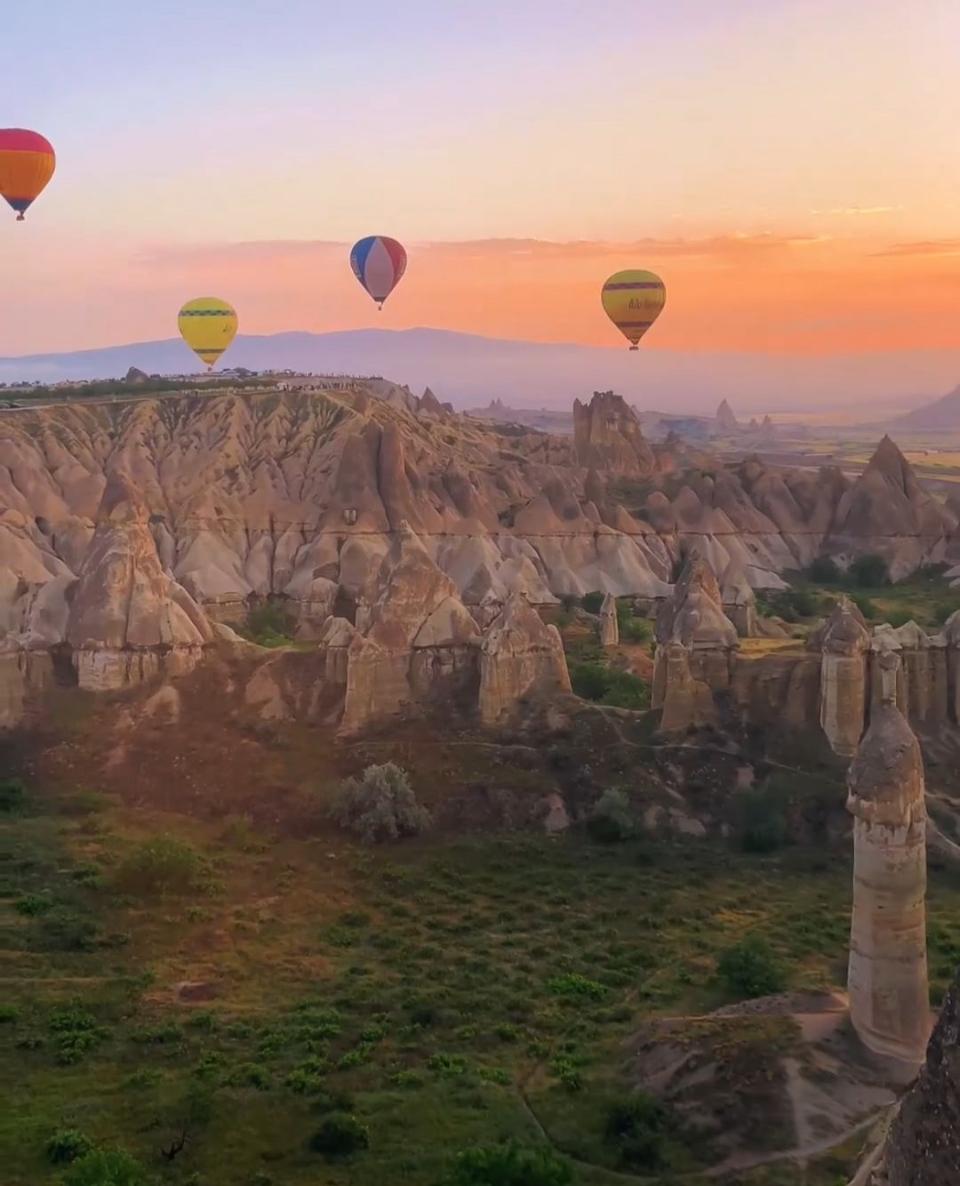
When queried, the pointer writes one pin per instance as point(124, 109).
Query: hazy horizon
point(797, 204)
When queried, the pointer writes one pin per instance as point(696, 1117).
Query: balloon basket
point(634, 347)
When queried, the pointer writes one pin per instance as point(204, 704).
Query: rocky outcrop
point(888, 512)
point(693, 621)
point(417, 644)
point(128, 620)
point(923, 1146)
point(725, 419)
point(843, 642)
point(922, 684)
point(521, 657)
point(607, 435)
point(887, 980)
point(609, 625)
point(739, 600)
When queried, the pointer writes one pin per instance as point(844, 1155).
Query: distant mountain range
point(943, 415)
point(468, 370)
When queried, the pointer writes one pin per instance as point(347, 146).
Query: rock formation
point(127, 619)
point(607, 435)
point(520, 657)
point(887, 512)
point(693, 621)
point(726, 420)
point(922, 685)
point(923, 1146)
point(843, 641)
point(887, 980)
point(739, 600)
point(609, 625)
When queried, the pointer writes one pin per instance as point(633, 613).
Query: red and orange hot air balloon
point(27, 162)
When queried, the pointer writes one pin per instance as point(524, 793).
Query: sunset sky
point(791, 168)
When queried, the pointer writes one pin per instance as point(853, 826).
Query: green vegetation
point(119, 388)
point(380, 805)
point(750, 968)
point(611, 820)
point(592, 602)
point(269, 624)
point(413, 1013)
point(607, 685)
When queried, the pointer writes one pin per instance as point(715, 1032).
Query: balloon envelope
point(378, 263)
point(208, 326)
point(27, 162)
point(633, 300)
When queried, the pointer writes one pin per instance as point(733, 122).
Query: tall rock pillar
point(887, 978)
point(609, 626)
point(844, 641)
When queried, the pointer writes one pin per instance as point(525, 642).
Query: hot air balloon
point(27, 162)
point(208, 326)
point(378, 263)
point(633, 300)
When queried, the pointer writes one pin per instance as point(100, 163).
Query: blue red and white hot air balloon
point(27, 162)
point(378, 262)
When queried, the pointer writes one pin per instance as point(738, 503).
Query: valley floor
point(228, 984)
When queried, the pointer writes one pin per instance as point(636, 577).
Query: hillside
point(941, 415)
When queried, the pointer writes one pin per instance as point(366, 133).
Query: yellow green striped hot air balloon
point(633, 300)
point(208, 326)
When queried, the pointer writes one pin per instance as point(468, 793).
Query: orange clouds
point(779, 294)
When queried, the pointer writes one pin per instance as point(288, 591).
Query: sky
point(791, 168)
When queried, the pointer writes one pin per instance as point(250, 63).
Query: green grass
point(443, 991)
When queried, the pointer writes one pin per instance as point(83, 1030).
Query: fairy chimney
point(609, 626)
point(887, 979)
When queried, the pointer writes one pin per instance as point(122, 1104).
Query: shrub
point(339, 1135)
point(575, 986)
point(611, 819)
point(899, 617)
point(162, 865)
point(618, 689)
point(75, 1031)
point(33, 904)
point(13, 795)
point(825, 571)
point(870, 571)
point(865, 606)
point(510, 1164)
point(636, 630)
point(750, 968)
point(944, 610)
point(762, 822)
point(380, 805)
point(269, 624)
point(640, 1128)
point(106, 1167)
point(592, 602)
point(67, 1145)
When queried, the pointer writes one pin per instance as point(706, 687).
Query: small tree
point(592, 602)
point(611, 819)
point(751, 969)
point(380, 805)
point(67, 1145)
point(640, 1127)
point(510, 1164)
point(870, 571)
point(825, 571)
point(339, 1135)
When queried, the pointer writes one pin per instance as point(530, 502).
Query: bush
point(380, 805)
point(67, 1145)
point(106, 1167)
point(762, 822)
point(870, 571)
point(636, 630)
point(618, 689)
point(865, 606)
point(339, 1135)
point(510, 1164)
point(592, 602)
point(611, 819)
point(944, 610)
point(640, 1128)
point(825, 571)
point(269, 624)
point(899, 617)
point(751, 969)
point(13, 795)
point(162, 865)
point(576, 987)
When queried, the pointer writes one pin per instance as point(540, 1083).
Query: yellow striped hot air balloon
point(633, 300)
point(208, 326)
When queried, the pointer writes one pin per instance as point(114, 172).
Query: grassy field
point(447, 992)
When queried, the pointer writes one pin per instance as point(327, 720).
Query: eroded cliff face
point(300, 493)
